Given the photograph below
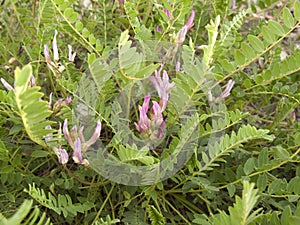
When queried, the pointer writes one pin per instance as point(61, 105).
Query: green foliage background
point(250, 176)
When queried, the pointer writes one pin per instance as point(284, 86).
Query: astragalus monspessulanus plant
point(149, 112)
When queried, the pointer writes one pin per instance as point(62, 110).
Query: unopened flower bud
point(227, 90)
point(63, 156)
point(6, 85)
point(55, 49)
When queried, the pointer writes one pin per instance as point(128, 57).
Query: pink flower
point(223, 95)
point(162, 86)
point(7, 85)
point(54, 65)
point(155, 126)
point(162, 127)
point(71, 55)
point(63, 156)
point(77, 157)
point(158, 29)
point(156, 114)
point(143, 125)
point(189, 24)
point(227, 90)
point(55, 49)
point(77, 141)
point(47, 54)
point(168, 13)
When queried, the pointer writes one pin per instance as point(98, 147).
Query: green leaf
point(39, 154)
point(7, 169)
point(256, 43)
point(68, 12)
point(131, 153)
point(268, 35)
point(61, 204)
point(262, 182)
point(297, 10)
point(285, 217)
point(275, 187)
point(33, 111)
point(92, 39)
point(59, 2)
point(231, 189)
point(73, 17)
point(22, 77)
point(241, 212)
point(275, 27)
point(85, 32)
point(239, 57)
point(249, 166)
point(263, 158)
point(259, 79)
point(99, 46)
point(79, 25)
point(247, 51)
point(155, 216)
point(281, 153)
point(227, 66)
point(91, 58)
point(26, 215)
point(288, 18)
point(124, 38)
point(146, 71)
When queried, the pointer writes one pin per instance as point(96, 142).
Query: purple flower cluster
point(77, 142)
point(189, 24)
point(162, 86)
point(182, 33)
point(54, 65)
point(154, 126)
point(57, 106)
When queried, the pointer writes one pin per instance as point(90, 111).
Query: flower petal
point(190, 22)
point(55, 49)
point(227, 90)
point(67, 134)
point(71, 55)
point(63, 156)
point(77, 157)
point(156, 113)
point(158, 29)
point(6, 85)
point(182, 34)
point(94, 137)
point(47, 54)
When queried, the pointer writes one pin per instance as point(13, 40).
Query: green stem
point(104, 203)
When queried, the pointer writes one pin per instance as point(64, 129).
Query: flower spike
point(163, 87)
point(77, 141)
point(189, 24)
point(143, 125)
